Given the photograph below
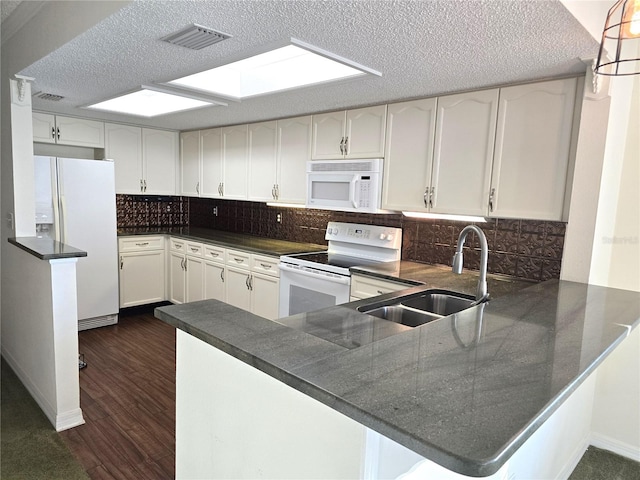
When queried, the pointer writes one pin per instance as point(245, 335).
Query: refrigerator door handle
point(63, 223)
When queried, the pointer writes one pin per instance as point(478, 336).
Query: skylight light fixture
point(151, 101)
point(295, 65)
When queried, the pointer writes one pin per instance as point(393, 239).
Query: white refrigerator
point(76, 205)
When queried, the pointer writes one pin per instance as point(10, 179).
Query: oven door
point(304, 289)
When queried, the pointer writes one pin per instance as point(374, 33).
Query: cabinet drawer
point(365, 287)
point(194, 248)
point(265, 264)
point(213, 253)
point(238, 259)
point(136, 243)
point(177, 245)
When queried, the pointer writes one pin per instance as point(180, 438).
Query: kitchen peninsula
point(473, 392)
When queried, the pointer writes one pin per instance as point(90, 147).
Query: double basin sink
point(420, 308)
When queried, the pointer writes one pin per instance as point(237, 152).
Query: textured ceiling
point(422, 48)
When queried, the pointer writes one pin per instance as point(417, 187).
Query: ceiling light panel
point(148, 103)
point(281, 69)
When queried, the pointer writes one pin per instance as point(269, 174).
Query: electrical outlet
point(215, 211)
point(279, 218)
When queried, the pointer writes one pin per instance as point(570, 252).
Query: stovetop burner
point(334, 259)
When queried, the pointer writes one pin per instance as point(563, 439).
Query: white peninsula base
point(234, 421)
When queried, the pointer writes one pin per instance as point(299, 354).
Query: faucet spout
point(456, 266)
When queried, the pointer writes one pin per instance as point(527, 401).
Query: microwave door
point(331, 190)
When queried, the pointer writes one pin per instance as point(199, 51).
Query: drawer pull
point(177, 245)
point(380, 292)
point(142, 244)
point(265, 265)
point(195, 249)
point(213, 254)
point(239, 260)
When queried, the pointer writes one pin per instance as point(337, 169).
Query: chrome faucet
point(456, 267)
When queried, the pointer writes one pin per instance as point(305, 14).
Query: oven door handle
point(284, 267)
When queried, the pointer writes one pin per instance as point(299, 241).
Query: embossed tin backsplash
point(518, 248)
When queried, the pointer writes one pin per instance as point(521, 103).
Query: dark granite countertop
point(46, 248)
point(266, 246)
point(464, 391)
point(440, 276)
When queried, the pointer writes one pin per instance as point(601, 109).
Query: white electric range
point(311, 281)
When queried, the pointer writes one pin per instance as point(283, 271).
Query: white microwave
point(347, 185)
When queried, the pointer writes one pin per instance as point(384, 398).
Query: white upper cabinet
point(124, 146)
point(463, 153)
point(190, 164)
point(532, 150)
point(409, 154)
point(160, 159)
point(48, 128)
point(262, 161)
point(212, 169)
point(236, 164)
point(145, 159)
point(358, 133)
point(294, 150)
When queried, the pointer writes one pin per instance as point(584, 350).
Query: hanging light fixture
point(620, 46)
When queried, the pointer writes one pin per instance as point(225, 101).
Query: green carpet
point(30, 448)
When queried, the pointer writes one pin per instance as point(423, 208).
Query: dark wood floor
point(127, 396)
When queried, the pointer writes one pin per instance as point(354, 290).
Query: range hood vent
point(48, 96)
point(195, 37)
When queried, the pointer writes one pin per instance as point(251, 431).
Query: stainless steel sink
point(419, 308)
point(404, 315)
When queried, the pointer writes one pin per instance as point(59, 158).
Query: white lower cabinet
point(214, 273)
point(186, 266)
point(363, 286)
point(177, 279)
point(142, 270)
point(253, 283)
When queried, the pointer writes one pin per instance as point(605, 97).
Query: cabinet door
point(409, 154)
point(235, 170)
point(262, 161)
point(80, 132)
point(123, 144)
point(176, 277)
point(265, 295)
point(194, 274)
point(463, 154)
point(294, 150)
point(211, 178)
point(328, 135)
point(141, 278)
point(190, 163)
point(533, 141)
point(237, 288)
point(160, 159)
point(364, 133)
point(44, 126)
point(214, 281)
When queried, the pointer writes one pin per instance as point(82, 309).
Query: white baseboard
point(60, 421)
point(573, 460)
point(616, 446)
point(95, 322)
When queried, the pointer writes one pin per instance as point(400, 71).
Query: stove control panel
point(358, 234)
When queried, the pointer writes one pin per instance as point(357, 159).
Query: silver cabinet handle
point(53, 132)
point(491, 198)
point(238, 260)
point(58, 133)
point(198, 188)
point(222, 189)
point(141, 187)
point(246, 282)
point(380, 292)
point(273, 192)
point(121, 262)
point(424, 197)
point(342, 146)
point(250, 282)
point(431, 197)
point(182, 263)
point(214, 254)
point(265, 266)
point(222, 275)
point(142, 244)
point(346, 145)
point(277, 191)
point(177, 246)
point(145, 185)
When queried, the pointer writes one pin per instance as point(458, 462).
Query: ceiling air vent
point(48, 96)
point(195, 37)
